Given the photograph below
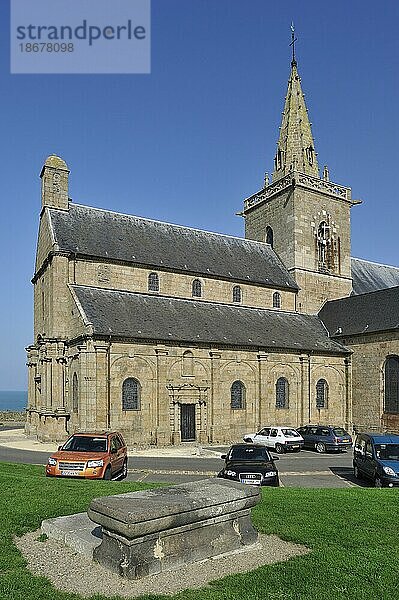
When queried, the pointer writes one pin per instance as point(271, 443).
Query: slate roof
point(369, 276)
point(365, 313)
point(108, 235)
point(142, 316)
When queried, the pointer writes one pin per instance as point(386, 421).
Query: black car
point(250, 463)
point(324, 438)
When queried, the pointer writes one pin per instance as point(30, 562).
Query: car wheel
point(356, 472)
point(124, 469)
point(279, 449)
point(107, 474)
point(320, 447)
point(377, 482)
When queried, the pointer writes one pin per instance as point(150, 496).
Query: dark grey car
point(325, 438)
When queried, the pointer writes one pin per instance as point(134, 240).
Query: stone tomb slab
point(153, 531)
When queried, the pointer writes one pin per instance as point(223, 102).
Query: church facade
point(172, 334)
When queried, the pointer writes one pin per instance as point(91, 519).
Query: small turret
point(54, 176)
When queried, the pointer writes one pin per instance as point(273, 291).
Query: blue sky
point(187, 143)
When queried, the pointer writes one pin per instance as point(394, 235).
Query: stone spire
point(295, 147)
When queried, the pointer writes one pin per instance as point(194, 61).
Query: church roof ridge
point(373, 262)
point(227, 235)
point(369, 276)
point(359, 314)
point(191, 300)
point(113, 236)
point(133, 315)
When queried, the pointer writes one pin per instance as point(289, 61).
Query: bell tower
point(305, 217)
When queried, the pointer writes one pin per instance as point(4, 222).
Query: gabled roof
point(362, 314)
point(369, 276)
point(112, 236)
point(141, 316)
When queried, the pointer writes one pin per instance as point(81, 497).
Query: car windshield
point(339, 432)
point(290, 433)
point(387, 451)
point(245, 453)
point(80, 443)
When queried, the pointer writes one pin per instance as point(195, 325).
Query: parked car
point(376, 457)
point(251, 464)
point(282, 439)
point(90, 455)
point(324, 438)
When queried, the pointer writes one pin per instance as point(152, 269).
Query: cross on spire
point(293, 40)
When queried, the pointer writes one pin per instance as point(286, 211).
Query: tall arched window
point(282, 393)
point(391, 377)
point(131, 394)
point(238, 395)
point(188, 364)
point(269, 236)
point(322, 243)
point(237, 296)
point(153, 282)
point(321, 393)
point(197, 288)
point(276, 300)
point(75, 393)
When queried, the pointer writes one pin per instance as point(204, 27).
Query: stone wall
point(178, 285)
point(370, 353)
point(12, 415)
point(167, 383)
point(295, 214)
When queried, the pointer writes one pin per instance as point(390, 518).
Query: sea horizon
point(13, 400)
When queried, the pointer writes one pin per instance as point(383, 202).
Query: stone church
point(171, 334)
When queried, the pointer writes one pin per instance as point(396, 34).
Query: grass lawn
point(353, 534)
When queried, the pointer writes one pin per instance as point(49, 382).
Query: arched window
point(237, 296)
point(131, 394)
point(322, 241)
point(321, 394)
point(276, 300)
point(391, 400)
point(238, 395)
point(75, 393)
point(153, 282)
point(197, 288)
point(188, 364)
point(282, 393)
point(269, 236)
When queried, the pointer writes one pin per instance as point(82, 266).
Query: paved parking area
point(303, 469)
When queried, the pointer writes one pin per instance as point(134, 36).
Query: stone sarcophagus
point(157, 530)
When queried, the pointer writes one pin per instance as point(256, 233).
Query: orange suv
point(90, 455)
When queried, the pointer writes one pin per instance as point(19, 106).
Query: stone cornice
point(297, 179)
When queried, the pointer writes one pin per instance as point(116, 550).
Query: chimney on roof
point(54, 176)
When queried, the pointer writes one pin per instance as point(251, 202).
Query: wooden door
point(187, 422)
